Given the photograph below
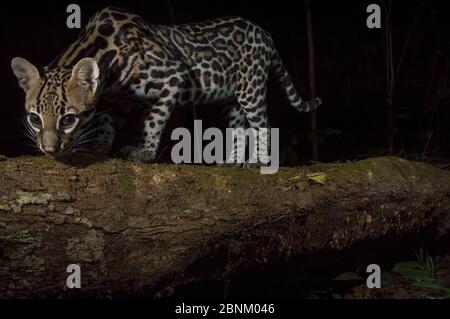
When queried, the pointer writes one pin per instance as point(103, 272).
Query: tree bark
point(138, 229)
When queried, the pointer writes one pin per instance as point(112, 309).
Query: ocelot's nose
point(50, 149)
point(50, 142)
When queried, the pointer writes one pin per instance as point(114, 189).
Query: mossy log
point(144, 230)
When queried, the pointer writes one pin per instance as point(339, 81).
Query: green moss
point(368, 170)
point(27, 198)
point(65, 197)
point(87, 248)
point(69, 211)
point(5, 207)
point(34, 263)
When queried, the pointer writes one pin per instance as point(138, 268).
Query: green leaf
point(411, 270)
point(429, 283)
point(406, 265)
point(430, 266)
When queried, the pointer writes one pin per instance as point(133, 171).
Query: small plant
point(421, 272)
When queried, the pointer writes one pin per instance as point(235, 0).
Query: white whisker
point(86, 141)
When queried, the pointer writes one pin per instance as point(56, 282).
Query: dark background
point(350, 70)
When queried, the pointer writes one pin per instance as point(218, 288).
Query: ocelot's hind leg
point(235, 119)
point(251, 95)
point(255, 110)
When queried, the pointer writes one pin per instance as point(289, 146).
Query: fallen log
point(138, 229)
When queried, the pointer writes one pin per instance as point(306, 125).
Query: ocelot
point(120, 58)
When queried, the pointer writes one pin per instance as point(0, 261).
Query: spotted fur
point(119, 58)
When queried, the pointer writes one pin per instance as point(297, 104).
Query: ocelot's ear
point(26, 73)
point(85, 75)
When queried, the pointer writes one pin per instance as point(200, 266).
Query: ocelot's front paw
point(226, 164)
point(249, 164)
point(101, 148)
point(137, 154)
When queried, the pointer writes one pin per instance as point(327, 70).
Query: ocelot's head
point(59, 103)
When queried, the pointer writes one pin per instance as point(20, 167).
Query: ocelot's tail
point(278, 69)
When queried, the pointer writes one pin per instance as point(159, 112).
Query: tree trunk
point(312, 80)
point(139, 229)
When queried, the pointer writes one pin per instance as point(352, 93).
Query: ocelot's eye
point(35, 120)
point(68, 120)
